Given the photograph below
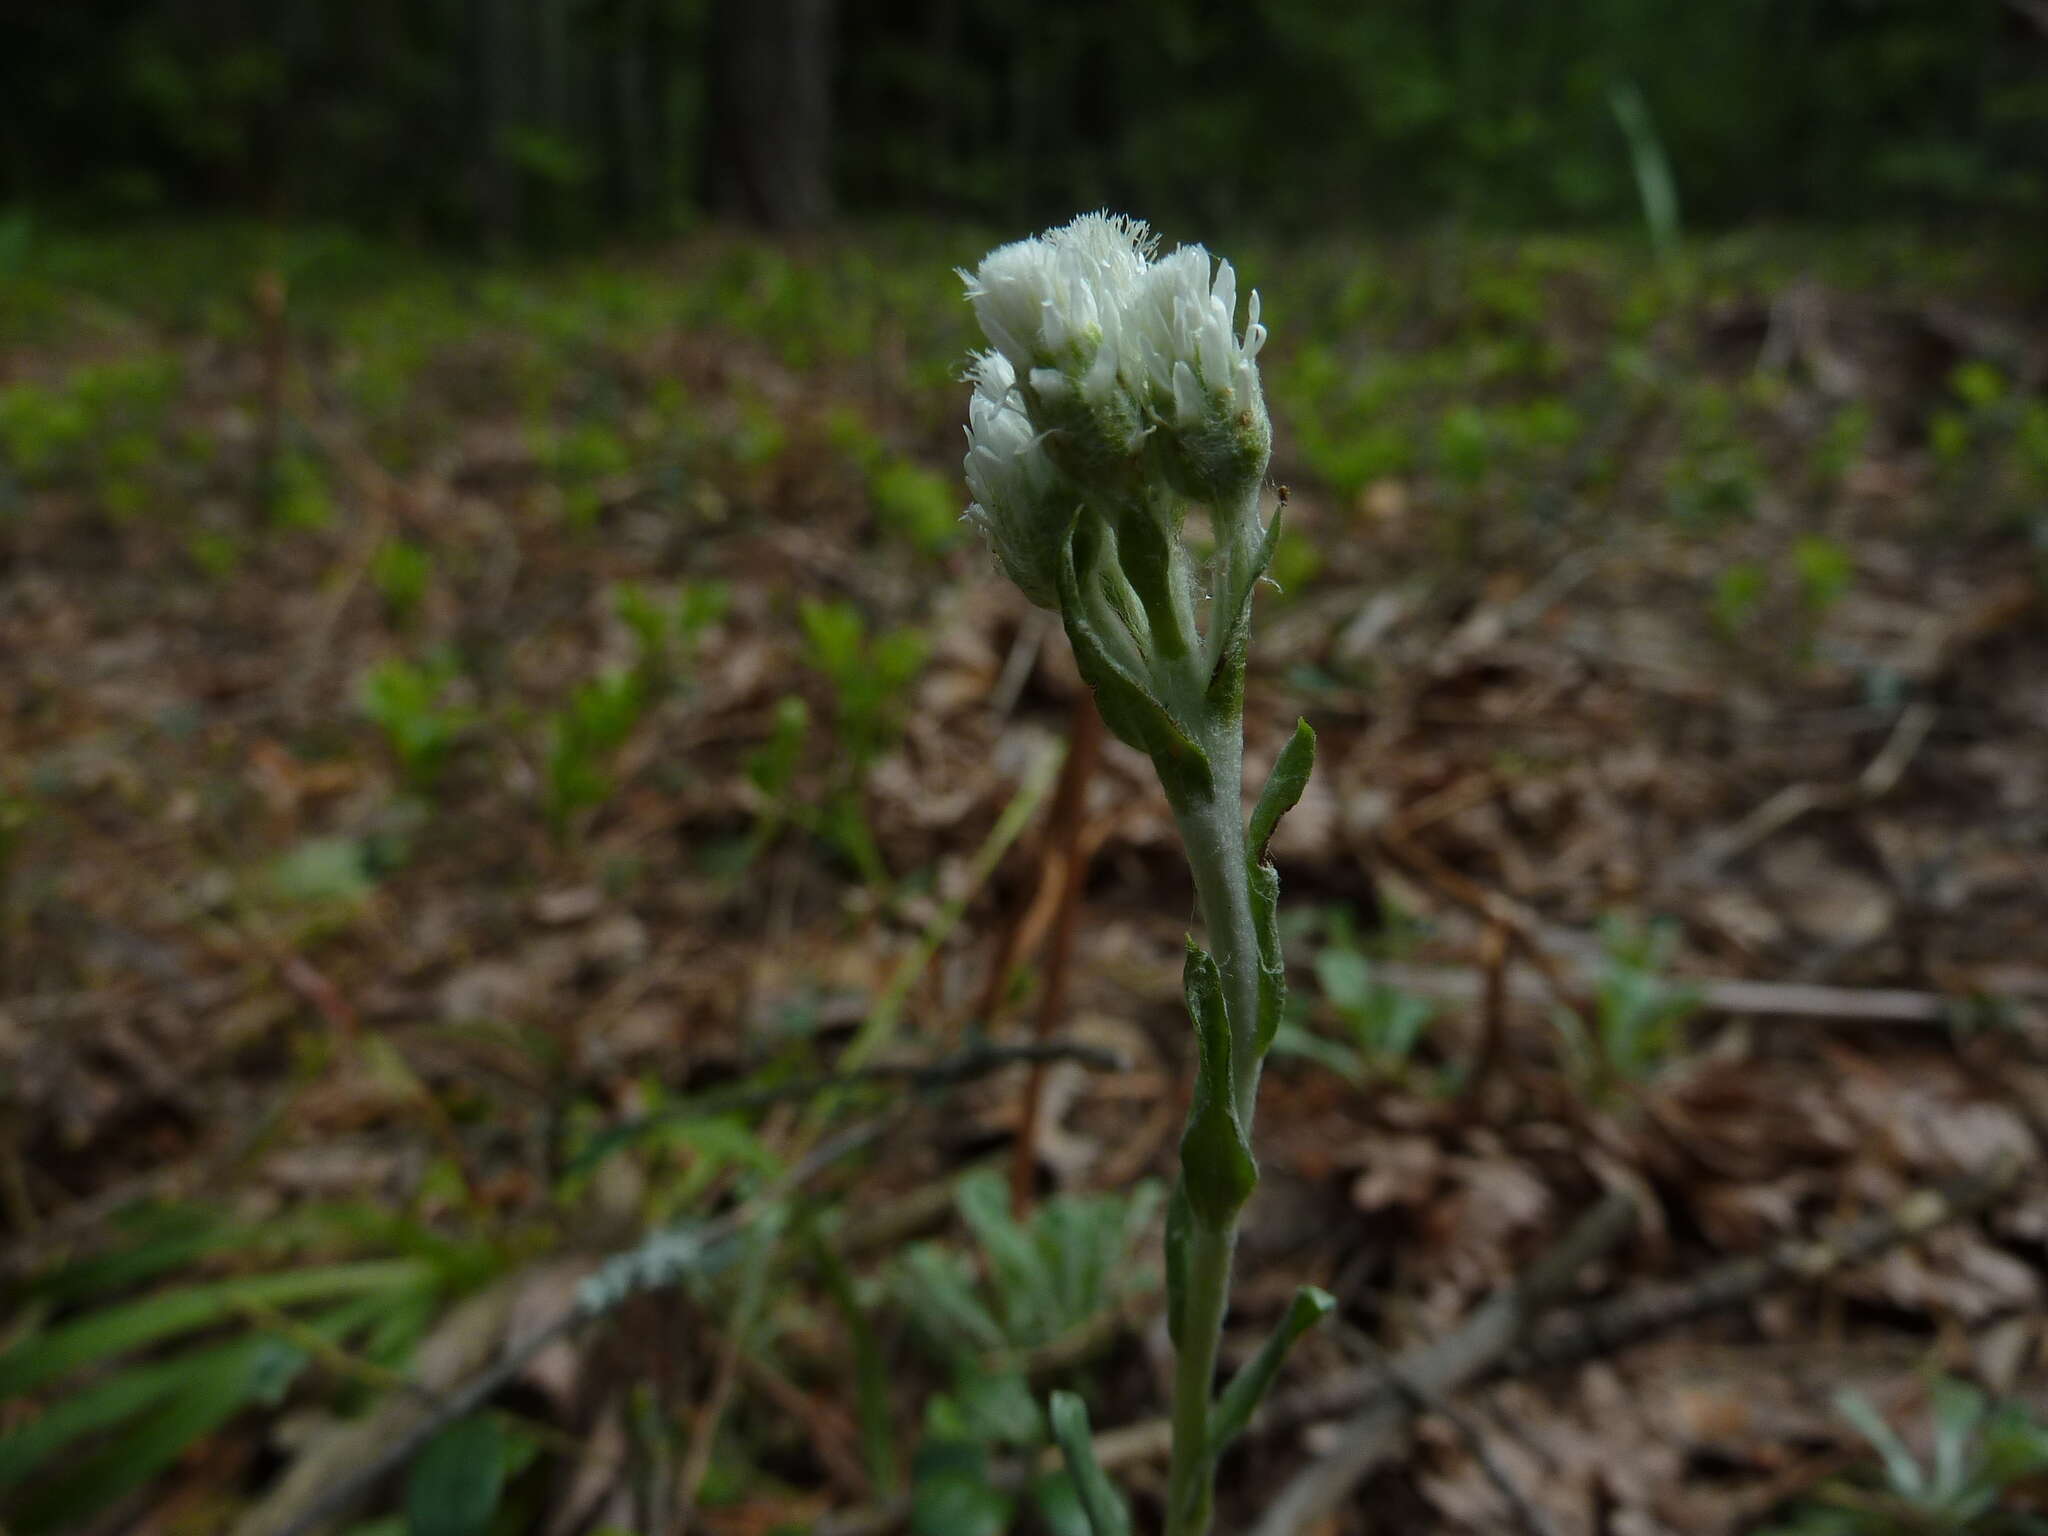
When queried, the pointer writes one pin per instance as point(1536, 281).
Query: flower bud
point(1022, 504)
point(1197, 379)
point(1054, 307)
point(1120, 383)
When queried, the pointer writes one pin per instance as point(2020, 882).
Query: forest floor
point(481, 742)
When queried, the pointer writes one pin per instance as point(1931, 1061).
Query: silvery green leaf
point(1265, 893)
point(1128, 706)
point(1284, 786)
point(1215, 1158)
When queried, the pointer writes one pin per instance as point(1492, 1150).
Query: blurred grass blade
point(117, 1330)
point(211, 1388)
point(1654, 183)
point(870, 1374)
point(1105, 1508)
point(164, 1238)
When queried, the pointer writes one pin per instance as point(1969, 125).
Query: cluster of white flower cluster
point(1110, 373)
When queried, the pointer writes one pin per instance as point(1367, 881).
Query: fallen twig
point(659, 1261)
point(1571, 1337)
point(1498, 1341)
point(1878, 778)
point(1716, 994)
point(1421, 1398)
point(978, 1060)
point(1438, 1369)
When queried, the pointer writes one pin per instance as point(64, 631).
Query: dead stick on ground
point(1493, 1018)
point(1444, 1367)
point(1491, 1347)
point(1569, 1338)
point(1065, 820)
point(1878, 778)
point(1717, 994)
point(1421, 1399)
point(662, 1260)
point(1519, 924)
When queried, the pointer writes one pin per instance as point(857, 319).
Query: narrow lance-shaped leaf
point(1241, 1397)
point(1128, 706)
point(1145, 551)
point(1234, 613)
point(217, 1384)
point(870, 1374)
point(1104, 1506)
point(1265, 895)
point(1284, 786)
point(1215, 1158)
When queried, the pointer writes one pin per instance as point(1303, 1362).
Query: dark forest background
point(553, 120)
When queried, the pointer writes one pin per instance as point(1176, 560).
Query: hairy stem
point(1193, 1473)
point(1213, 834)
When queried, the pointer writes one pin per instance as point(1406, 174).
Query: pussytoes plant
point(1119, 394)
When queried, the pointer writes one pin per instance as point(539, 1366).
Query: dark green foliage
point(561, 120)
point(454, 1486)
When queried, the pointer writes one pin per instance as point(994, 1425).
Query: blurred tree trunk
point(496, 28)
point(769, 145)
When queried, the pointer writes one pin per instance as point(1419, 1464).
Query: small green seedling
point(1383, 1023)
point(584, 737)
point(400, 571)
point(667, 628)
point(1030, 1291)
point(1824, 568)
point(868, 676)
point(1640, 1013)
point(1981, 1454)
point(406, 700)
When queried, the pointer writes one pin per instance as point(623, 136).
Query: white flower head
point(1054, 306)
point(1022, 504)
point(1057, 300)
point(1195, 374)
point(1110, 373)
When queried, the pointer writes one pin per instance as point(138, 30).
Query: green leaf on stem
point(1265, 893)
point(1145, 552)
point(1215, 1158)
point(1283, 787)
point(1128, 706)
point(1234, 1408)
point(1226, 680)
point(1107, 1514)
